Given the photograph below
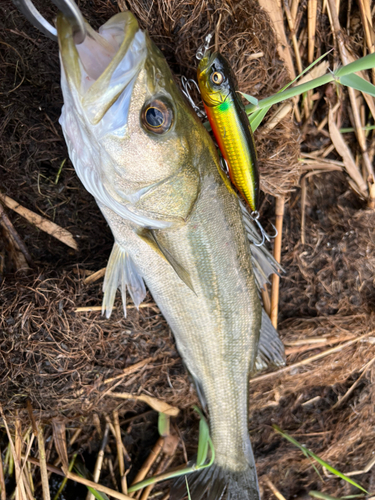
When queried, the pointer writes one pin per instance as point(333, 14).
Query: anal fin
point(149, 237)
point(121, 273)
point(270, 348)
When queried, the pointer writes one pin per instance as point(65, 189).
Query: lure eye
point(217, 77)
point(157, 116)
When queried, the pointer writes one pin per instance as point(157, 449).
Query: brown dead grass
point(59, 360)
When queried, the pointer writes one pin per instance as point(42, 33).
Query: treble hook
point(203, 48)
point(67, 7)
point(186, 88)
point(265, 236)
point(224, 166)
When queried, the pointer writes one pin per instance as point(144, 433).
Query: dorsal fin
point(262, 260)
point(149, 237)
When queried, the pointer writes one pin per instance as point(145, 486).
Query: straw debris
point(61, 363)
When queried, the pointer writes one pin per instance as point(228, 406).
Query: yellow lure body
point(230, 125)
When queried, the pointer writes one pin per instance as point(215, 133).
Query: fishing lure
point(229, 123)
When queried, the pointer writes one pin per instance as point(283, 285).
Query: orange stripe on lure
point(230, 124)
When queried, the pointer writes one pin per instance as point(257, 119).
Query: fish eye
point(157, 116)
point(217, 77)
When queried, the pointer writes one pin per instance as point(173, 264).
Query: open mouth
point(119, 43)
point(97, 82)
point(105, 64)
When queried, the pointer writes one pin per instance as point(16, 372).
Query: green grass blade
point(292, 92)
point(322, 496)
point(212, 449)
point(202, 447)
point(205, 439)
point(351, 129)
point(59, 172)
point(364, 63)
point(358, 83)
point(318, 459)
point(204, 435)
point(187, 488)
point(349, 497)
point(172, 474)
point(204, 442)
point(81, 470)
point(65, 480)
point(97, 494)
point(161, 477)
point(256, 118)
point(249, 98)
point(163, 424)
point(306, 70)
point(336, 472)
point(312, 65)
point(304, 451)
point(254, 101)
point(367, 62)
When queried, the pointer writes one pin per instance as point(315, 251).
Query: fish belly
point(216, 326)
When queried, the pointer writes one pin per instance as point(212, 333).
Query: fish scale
point(218, 320)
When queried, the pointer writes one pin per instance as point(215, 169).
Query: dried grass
point(57, 361)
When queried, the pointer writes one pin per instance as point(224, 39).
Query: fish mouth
point(105, 65)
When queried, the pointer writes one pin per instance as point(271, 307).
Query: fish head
point(129, 129)
point(215, 79)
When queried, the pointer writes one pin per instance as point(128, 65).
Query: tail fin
point(218, 483)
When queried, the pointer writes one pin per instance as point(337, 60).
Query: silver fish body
point(177, 227)
point(217, 325)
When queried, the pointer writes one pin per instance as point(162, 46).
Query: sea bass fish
point(230, 124)
point(141, 151)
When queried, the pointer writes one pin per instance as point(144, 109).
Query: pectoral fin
point(121, 273)
point(270, 348)
point(149, 237)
